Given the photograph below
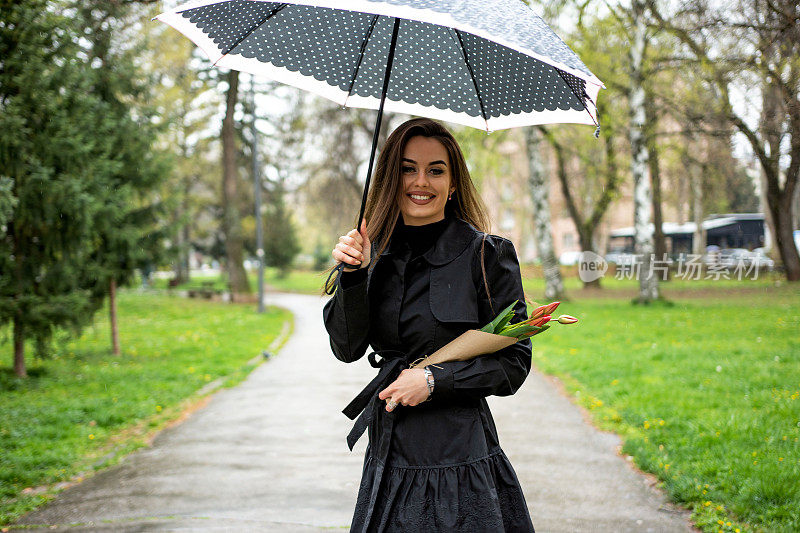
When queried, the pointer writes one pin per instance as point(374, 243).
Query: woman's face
point(426, 181)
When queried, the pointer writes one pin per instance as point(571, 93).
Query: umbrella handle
point(330, 285)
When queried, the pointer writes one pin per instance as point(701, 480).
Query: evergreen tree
point(128, 232)
point(54, 144)
point(79, 156)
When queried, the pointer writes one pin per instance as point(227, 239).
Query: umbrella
point(488, 64)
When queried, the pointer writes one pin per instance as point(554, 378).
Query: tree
point(756, 43)
point(185, 106)
point(54, 143)
point(539, 183)
point(642, 195)
point(231, 219)
point(128, 229)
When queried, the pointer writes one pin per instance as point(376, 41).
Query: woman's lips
point(419, 198)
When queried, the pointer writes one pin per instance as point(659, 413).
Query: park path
point(270, 455)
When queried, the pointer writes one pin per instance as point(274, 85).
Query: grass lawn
point(310, 282)
point(85, 408)
point(705, 393)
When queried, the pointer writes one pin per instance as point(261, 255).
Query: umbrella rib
point(251, 30)
point(582, 98)
point(360, 57)
point(471, 75)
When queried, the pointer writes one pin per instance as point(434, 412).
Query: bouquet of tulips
point(496, 335)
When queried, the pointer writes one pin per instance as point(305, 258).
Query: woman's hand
point(410, 388)
point(353, 248)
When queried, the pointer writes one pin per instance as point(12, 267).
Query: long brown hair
point(386, 190)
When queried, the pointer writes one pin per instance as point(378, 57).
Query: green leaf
point(505, 314)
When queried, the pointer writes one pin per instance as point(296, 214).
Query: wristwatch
point(429, 379)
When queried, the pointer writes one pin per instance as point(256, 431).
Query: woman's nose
point(421, 178)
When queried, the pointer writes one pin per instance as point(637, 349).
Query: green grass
point(85, 408)
point(302, 281)
point(310, 282)
point(705, 393)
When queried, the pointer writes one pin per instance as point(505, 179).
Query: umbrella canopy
point(489, 64)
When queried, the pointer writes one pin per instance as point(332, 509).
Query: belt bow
point(390, 364)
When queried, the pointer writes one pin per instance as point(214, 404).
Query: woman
point(419, 274)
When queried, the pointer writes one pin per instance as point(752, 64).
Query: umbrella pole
point(331, 284)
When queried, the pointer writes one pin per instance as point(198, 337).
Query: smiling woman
point(419, 274)
point(426, 181)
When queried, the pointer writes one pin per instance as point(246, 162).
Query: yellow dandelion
point(158, 408)
point(91, 436)
point(720, 522)
point(661, 423)
point(706, 504)
point(646, 424)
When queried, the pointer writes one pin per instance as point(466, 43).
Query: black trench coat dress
point(436, 466)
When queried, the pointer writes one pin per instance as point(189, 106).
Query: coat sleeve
point(500, 373)
point(346, 316)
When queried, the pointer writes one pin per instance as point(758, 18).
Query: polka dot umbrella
point(489, 64)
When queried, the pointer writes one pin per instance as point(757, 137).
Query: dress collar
point(455, 238)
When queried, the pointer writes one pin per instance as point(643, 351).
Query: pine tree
point(53, 146)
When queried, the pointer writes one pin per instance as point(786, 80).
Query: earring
point(450, 197)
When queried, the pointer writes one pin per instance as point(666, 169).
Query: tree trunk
point(659, 240)
point(699, 238)
point(112, 310)
point(780, 208)
point(19, 349)
point(539, 187)
point(237, 277)
point(642, 197)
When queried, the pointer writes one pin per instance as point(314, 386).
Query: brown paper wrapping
point(468, 345)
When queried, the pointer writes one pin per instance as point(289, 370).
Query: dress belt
point(366, 403)
point(390, 363)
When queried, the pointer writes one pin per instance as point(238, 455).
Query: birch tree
point(642, 195)
point(539, 183)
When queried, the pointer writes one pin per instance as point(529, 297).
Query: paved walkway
point(270, 455)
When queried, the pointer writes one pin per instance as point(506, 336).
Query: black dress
point(436, 466)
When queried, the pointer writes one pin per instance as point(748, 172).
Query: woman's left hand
point(410, 388)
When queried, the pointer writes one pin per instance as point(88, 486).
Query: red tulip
point(539, 311)
point(551, 307)
point(541, 321)
point(567, 319)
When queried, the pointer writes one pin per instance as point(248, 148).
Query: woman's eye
point(408, 169)
point(437, 171)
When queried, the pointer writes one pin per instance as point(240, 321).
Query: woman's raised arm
point(346, 315)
